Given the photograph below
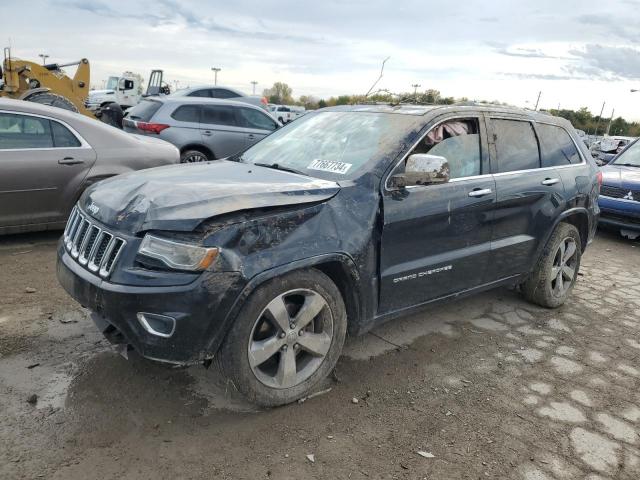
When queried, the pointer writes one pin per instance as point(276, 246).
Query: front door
point(436, 239)
point(43, 165)
point(256, 124)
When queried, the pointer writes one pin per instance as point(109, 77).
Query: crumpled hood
point(621, 176)
point(180, 197)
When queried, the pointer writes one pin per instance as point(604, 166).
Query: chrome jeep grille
point(91, 246)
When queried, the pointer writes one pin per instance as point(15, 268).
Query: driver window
point(459, 142)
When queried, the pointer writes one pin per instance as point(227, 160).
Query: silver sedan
point(49, 156)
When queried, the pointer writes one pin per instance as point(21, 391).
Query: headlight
point(177, 255)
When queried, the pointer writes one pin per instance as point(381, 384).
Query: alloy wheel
point(195, 158)
point(290, 338)
point(563, 270)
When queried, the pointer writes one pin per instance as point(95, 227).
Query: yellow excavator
point(50, 85)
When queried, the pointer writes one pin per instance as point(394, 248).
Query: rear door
point(256, 124)
point(220, 130)
point(529, 197)
point(43, 164)
point(436, 239)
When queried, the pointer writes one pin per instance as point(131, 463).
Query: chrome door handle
point(70, 161)
point(550, 181)
point(480, 192)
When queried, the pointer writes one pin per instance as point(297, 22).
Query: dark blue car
point(620, 193)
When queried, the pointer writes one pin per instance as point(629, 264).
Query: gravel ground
point(490, 386)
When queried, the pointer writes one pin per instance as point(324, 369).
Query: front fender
point(345, 260)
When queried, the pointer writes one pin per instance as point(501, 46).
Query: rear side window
point(62, 137)
point(205, 92)
point(187, 113)
point(218, 115)
point(23, 131)
point(557, 147)
point(516, 145)
point(250, 118)
point(144, 110)
point(223, 93)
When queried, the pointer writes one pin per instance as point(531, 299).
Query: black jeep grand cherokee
point(346, 218)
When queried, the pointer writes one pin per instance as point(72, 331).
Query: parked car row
point(605, 149)
point(201, 128)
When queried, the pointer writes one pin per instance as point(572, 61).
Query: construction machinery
point(46, 84)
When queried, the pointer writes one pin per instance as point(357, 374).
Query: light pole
point(43, 57)
point(538, 100)
point(254, 83)
point(215, 71)
point(415, 91)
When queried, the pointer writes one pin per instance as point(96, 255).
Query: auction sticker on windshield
point(327, 166)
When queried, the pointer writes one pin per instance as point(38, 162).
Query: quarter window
point(557, 147)
point(205, 92)
point(62, 137)
point(516, 145)
point(223, 93)
point(459, 142)
point(250, 118)
point(218, 115)
point(22, 131)
point(187, 113)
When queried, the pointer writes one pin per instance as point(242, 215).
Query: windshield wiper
point(627, 165)
point(277, 166)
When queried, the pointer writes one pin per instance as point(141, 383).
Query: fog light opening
point(158, 325)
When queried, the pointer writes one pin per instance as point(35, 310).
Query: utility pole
point(415, 91)
point(538, 100)
point(215, 71)
point(43, 57)
point(254, 83)
point(610, 121)
point(595, 134)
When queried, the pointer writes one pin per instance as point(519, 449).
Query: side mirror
point(422, 169)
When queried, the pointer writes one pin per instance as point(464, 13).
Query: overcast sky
point(578, 53)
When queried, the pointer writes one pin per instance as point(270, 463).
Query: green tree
point(279, 93)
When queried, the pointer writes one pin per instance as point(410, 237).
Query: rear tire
point(53, 100)
point(194, 156)
point(286, 339)
point(555, 274)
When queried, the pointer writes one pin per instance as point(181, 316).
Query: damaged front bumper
point(180, 324)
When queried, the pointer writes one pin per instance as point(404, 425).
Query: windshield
point(334, 145)
point(631, 156)
point(112, 83)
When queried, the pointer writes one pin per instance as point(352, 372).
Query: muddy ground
point(490, 387)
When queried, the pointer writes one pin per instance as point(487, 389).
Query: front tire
point(286, 339)
point(553, 278)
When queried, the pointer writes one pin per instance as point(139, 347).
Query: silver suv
point(202, 128)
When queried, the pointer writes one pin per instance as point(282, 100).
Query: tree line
point(282, 94)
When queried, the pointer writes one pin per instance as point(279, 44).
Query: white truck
point(286, 113)
point(125, 90)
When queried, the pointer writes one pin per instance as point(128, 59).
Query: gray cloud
point(606, 62)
